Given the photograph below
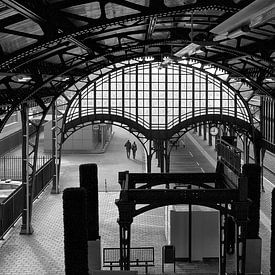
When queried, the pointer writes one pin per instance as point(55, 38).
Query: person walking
point(134, 149)
point(128, 147)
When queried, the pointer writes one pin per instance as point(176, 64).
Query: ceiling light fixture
point(22, 78)
point(269, 79)
point(231, 35)
point(190, 49)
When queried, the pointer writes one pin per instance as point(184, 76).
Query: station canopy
point(46, 47)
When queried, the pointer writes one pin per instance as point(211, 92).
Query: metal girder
point(23, 7)
point(18, 33)
point(51, 20)
point(170, 197)
point(150, 30)
point(154, 179)
point(13, 19)
point(104, 64)
point(154, 198)
point(103, 24)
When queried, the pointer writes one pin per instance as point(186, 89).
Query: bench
point(139, 257)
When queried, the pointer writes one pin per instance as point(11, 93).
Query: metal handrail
point(14, 203)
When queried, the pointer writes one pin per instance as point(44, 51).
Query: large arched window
point(158, 98)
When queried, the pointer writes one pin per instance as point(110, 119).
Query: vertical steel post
point(149, 158)
point(55, 186)
point(166, 156)
point(204, 131)
point(262, 168)
point(241, 247)
point(126, 210)
point(200, 129)
point(162, 155)
point(209, 136)
point(26, 227)
point(223, 242)
point(102, 128)
point(189, 230)
point(246, 150)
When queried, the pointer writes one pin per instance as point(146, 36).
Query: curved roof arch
point(121, 28)
point(189, 94)
point(54, 44)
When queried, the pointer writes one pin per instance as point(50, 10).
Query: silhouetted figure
point(128, 147)
point(230, 235)
point(134, 149)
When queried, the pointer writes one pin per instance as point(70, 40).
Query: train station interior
point(191, 83)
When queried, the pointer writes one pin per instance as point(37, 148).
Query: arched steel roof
point(45, 46)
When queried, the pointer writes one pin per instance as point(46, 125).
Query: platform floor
point(43, 251)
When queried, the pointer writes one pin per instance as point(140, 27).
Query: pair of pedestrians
point(129, 146)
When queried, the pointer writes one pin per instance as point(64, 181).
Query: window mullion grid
point(273, 122)
point(206, 94)
point(166, 98)
point(136, 94)
point(221, 98)
point(179, 93)
point(109, 94)
point(150, 96)
point(235, 106)
point(193, 93)
point(79, 104)
point(123, 90)
point(95, 98)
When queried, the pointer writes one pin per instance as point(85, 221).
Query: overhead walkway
point(43, 252)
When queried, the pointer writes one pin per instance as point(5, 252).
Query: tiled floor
point(43, 252)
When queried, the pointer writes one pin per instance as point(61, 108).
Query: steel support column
point(126, 211)
point(55, 186)
point(162, 156)
point(209, 136)
point(125, 240)
point(166, 156)
point(241, 228)
point(26, 227)
point(204, 131)
point(223, 242)
point(262, 168)
point(149, 157)
point(246, 150)
point(102, 129)
point(190, 229)
point(241, 219)
point(200, 129)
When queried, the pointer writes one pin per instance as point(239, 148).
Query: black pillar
point(26, 227)
point(126, 210)
point(75, 231)
point(272, 248)
point(89, 181)
point(55, 185)
point(253, 174)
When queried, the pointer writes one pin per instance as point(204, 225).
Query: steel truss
point(131, 196)
point(72, 65)
point(77, 114)
point(34, 114)
point(154, 142)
